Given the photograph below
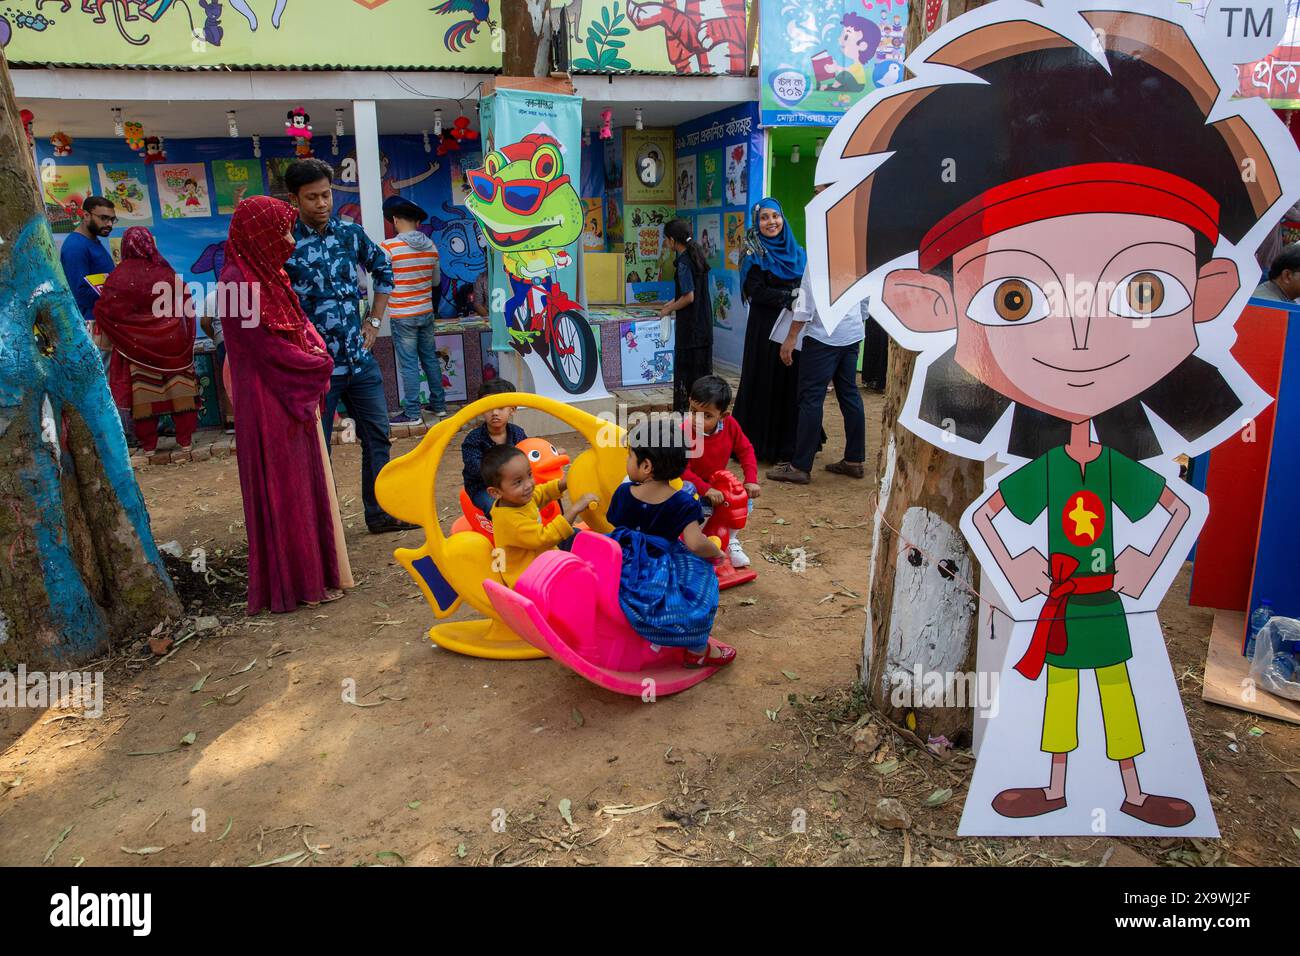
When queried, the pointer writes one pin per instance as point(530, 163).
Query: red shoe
point(726, 654)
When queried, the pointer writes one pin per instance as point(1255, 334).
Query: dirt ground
point(445, 759)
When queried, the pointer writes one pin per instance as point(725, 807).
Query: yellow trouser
point(1118, 712)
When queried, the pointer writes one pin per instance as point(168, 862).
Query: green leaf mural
point(602, 45)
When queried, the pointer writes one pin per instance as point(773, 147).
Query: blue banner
point(525, 198)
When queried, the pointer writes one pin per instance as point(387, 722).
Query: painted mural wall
point(448, 35)
point(668, 36)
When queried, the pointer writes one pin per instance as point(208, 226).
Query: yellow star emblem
point(1083, 519)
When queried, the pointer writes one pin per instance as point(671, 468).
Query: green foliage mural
point(603, 43)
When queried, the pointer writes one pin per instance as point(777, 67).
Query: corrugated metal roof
point(263, 67)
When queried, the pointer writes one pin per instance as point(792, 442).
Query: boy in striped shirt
point(410, 308)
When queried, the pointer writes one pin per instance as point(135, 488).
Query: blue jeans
point(413, 341)
point(363, 390)
point(820, 364)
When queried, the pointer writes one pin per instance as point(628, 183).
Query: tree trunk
point(78, 564)
point(921, 617)
point(526, 26)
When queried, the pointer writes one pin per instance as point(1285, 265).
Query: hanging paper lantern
point(606, 122)
point(28, 118)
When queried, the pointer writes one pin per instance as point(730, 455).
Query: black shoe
point(388, 524)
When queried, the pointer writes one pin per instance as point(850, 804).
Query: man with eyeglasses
point(83, 254)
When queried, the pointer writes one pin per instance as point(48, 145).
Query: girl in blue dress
point(668, 588)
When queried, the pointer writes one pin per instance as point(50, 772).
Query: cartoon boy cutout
point(1071, 283)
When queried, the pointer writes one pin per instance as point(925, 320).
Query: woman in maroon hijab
point(279, 370)
point(141, 314)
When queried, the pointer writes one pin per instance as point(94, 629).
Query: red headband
point(1069, 191)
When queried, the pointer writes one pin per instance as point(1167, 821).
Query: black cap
point(401, 206)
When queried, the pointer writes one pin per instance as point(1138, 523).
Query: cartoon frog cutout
point(1059, 213)
point(529, 212)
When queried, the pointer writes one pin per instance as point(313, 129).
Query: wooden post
point(526, 26)
point(78, 565)
point(921, 618)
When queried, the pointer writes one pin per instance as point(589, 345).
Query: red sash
point(1049, 633)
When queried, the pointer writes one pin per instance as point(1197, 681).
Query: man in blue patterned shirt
point(323, 270)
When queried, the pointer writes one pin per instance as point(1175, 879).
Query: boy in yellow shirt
point(516, 511)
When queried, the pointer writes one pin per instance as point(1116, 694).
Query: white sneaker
point(739, 559)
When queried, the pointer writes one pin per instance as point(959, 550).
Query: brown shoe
point(1161, 811)
point(1025, 802)
point(789, 473)
point(849, 469)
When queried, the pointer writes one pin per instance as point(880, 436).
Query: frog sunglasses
point(523, 197)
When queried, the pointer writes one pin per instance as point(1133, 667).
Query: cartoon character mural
point(858, 41)
point(1073, 303)
point(345, 181)
point(461, 34)
point(530, 212)
point(704, 36)
point(247, 12)
point(461, 255)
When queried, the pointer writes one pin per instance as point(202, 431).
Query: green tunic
point(1079, 502)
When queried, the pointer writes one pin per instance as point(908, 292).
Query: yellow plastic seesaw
point(452, 569)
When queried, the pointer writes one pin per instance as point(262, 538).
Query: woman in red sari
point(151, 371)
point(279, 371)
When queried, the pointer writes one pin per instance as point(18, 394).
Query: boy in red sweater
point(723, 439)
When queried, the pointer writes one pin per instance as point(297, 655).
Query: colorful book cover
point(709, 192)
point(737, 174)
point(233, 180)
point(708, 233)
point(686, 168)
point(126, 184)
point(593, 225)
point(64, 189)
point(183, 190)
point(734, 230)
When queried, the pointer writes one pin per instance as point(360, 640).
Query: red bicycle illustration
point(553, 326)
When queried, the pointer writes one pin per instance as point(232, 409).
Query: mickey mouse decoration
point(153, 150)
point(297, 126)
